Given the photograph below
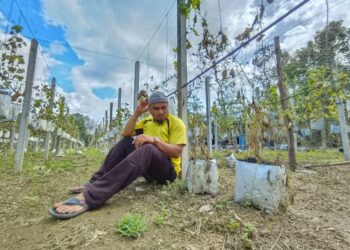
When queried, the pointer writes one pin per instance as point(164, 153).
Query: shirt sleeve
point(178, 133)
point(139, 124)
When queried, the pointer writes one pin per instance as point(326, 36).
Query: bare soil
point(319, 218)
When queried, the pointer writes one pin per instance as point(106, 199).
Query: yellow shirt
point(172, 131)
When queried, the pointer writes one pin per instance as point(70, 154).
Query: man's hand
point(142, 106)
point(141, 139)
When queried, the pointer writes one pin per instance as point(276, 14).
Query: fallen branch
point(307, 203)
point(273, 246)
point(326, 164)
point(239, 219)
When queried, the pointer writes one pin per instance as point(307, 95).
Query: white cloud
point(3, 22)
point(123, 28)
point(56, 48)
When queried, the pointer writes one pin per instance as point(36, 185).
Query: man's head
point(158, 106)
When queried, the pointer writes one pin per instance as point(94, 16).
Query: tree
point(307, 71)
point(80, 124)
point(12, 62)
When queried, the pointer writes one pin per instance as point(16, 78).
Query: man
point(155, 153)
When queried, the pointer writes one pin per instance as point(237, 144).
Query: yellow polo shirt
point(172, 131)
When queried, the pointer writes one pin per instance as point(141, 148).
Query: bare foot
point(65, 209)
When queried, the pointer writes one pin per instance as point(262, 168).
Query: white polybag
point(5, 106)
point(263, 186)
point(202, 177)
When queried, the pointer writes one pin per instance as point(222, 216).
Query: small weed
point(131, 225)
point(248, 235)
point(233, 225)
point(247, 204)
point(178, 186)
point(160, 219)
point(220, 205)
point(247, 243)
point(249, 230)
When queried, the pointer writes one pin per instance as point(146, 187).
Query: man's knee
point(148, 147)
point(127, 139)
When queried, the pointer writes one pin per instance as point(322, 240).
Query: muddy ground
point(318, 219)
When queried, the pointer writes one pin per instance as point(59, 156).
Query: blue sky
point(91, 46)
point(34, 25)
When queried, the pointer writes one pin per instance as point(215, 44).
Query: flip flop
point(71, 201)
point(80, 189)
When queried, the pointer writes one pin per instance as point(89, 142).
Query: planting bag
point(230, 161)
point(202, 177)
point(261, 185)
point(5, 104)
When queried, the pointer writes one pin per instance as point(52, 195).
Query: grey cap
point(157, 97)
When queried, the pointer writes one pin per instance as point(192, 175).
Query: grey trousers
point(122, 165)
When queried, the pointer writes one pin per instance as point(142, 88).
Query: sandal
point(71, 201)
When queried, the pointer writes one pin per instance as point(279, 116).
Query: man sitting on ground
point(154, 153)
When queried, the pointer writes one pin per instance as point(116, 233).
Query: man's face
point(159, 111)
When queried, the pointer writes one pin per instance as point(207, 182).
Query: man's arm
point(173, 150)
point(129, 127)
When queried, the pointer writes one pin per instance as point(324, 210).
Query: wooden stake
point(182, 79)
point(283, 97)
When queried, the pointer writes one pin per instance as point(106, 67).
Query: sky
point(91, 46)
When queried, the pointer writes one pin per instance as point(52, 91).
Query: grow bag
point(261, 185)
point(202, 177)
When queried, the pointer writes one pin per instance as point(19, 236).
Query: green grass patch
point(94, 155)
point(304, 157)
point(36, 161)
point(131, 225)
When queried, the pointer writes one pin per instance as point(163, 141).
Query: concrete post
point(23, 126)
point(136, 82)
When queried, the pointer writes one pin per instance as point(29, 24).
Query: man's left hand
point(141, 139)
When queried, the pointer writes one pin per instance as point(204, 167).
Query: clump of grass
point(233, 225)
point(160, 219)
point(220, 205)
point(248, 235)
point(131, 225)
point(249, 230)
point(247, 204)
point(178, 186)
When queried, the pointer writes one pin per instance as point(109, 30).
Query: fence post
point(182, 80)
point(136, 82)
point(23, 125)
point(48, 134)
point(209, 133)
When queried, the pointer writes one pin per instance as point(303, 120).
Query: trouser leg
point(117, 153)
point(147, 159)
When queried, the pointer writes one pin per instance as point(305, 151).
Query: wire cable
point(24, 18)
point(244, 43)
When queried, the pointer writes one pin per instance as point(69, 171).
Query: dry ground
point(318, 219)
